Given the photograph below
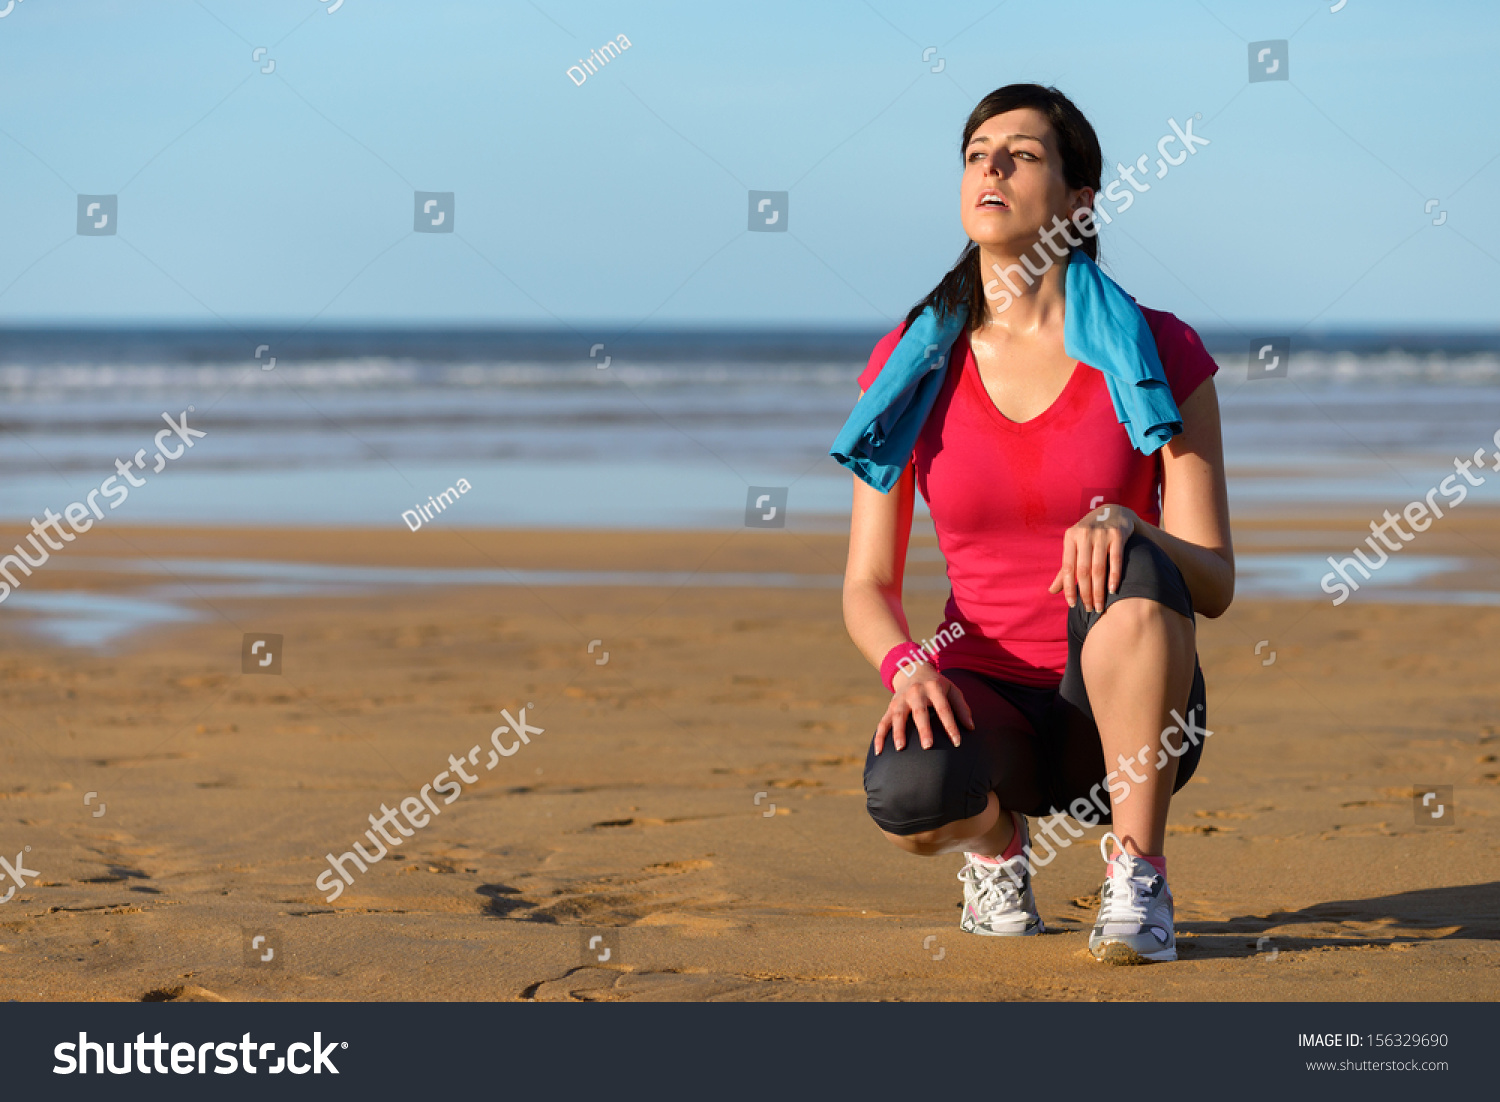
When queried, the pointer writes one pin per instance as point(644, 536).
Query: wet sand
point(643, 810)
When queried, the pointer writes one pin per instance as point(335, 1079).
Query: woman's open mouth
point(992, 200)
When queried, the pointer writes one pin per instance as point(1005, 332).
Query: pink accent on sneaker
point(981, 859)
point(1157, 863)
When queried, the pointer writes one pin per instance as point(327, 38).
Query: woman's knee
point(1139, 639)
point(1152, 596)
point(1138, 620)
point(918, 794)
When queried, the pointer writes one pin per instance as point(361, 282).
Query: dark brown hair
point(1082, 164)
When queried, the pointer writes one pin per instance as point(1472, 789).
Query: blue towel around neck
point(1103, 328)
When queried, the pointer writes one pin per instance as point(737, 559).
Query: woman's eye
point(1029, 156)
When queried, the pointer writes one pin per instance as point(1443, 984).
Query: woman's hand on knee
point(925, 688)
point(1094, 556)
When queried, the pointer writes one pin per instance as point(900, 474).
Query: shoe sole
point(1118, 953)
point(1030, 931)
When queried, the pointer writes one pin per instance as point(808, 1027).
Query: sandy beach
point(694, 794)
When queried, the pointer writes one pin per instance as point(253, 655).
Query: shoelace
point(1124, 896)
point(996, 884)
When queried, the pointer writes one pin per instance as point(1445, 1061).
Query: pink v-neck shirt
point(1002, 493)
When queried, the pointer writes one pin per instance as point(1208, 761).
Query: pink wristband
point(894, 658)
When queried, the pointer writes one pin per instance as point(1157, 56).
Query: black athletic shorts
point(1038, 749)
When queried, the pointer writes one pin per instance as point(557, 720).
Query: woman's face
point(1013, 182)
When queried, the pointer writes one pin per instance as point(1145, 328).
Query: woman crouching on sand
point(1065, 682)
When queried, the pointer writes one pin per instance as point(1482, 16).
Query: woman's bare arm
point(879, 535)
point(1194, 528)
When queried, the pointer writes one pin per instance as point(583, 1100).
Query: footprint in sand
point(181, 993)
point(503, 901)
point(599, 985)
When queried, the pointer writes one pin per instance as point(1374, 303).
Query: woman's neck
point(1014, 305)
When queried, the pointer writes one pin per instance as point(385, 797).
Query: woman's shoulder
point(878, 357)
point(1184, 359)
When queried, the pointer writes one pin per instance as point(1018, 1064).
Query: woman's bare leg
point(1137, 664)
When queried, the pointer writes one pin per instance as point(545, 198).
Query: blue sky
point(289, 195)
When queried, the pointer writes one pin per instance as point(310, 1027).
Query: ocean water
point(177, 590)
point(643, 430)
point(353, 427)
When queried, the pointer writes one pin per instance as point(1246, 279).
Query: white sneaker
point(1135, 912)
point(997, 896)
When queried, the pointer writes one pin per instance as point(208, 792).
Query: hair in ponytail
point(1082, 165)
